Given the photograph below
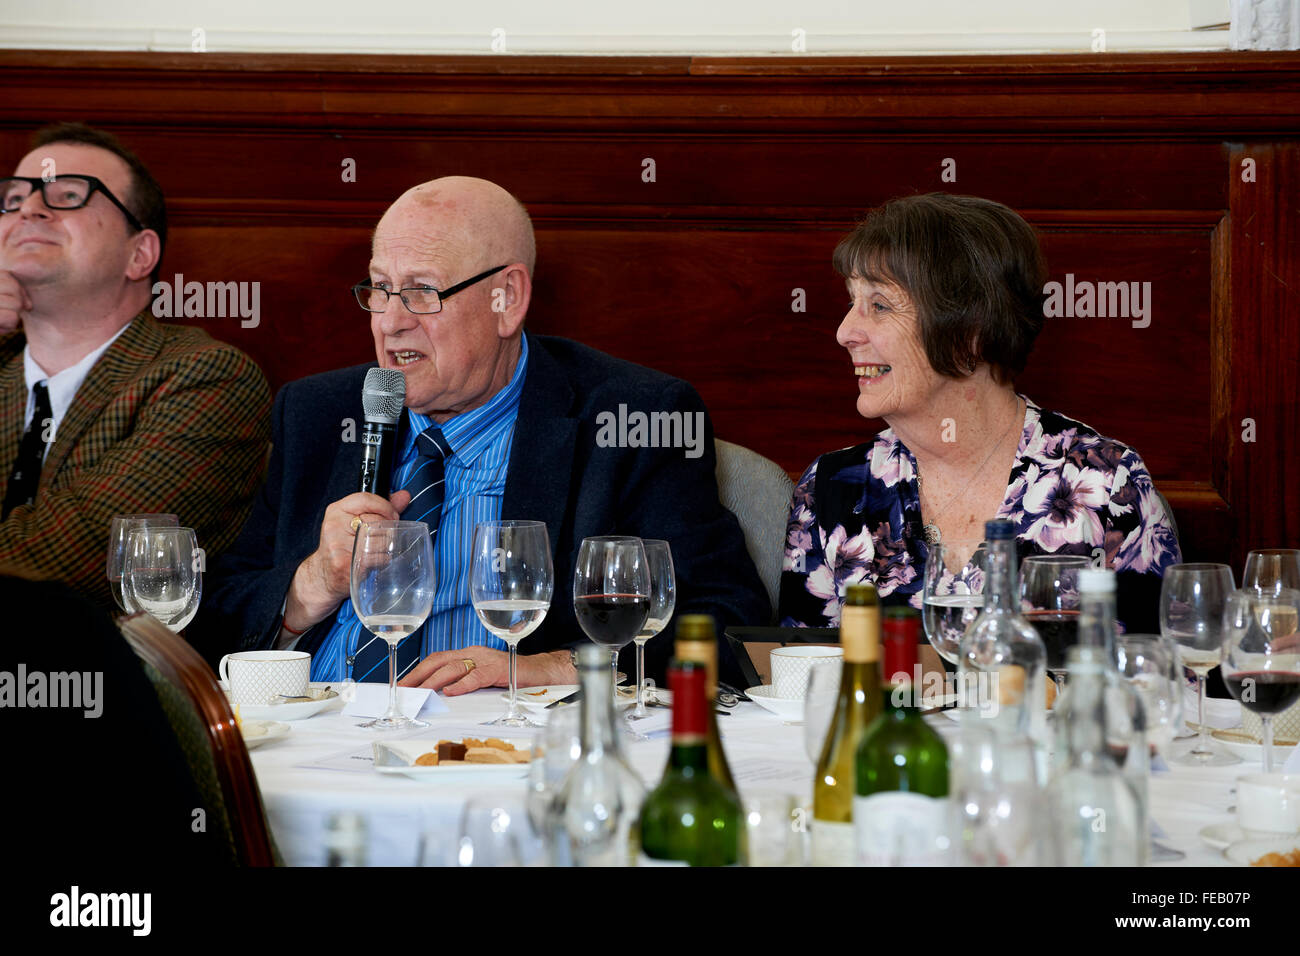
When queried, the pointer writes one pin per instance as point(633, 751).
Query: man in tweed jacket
point(139, 417)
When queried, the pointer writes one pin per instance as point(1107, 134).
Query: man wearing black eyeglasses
point(104, 411)
point(498, 424)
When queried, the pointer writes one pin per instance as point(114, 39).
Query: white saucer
point(1247, 852)
point(258, 732)
point(788, 708)
point(1222, 835)
point(290, 709)
point(1246, 748)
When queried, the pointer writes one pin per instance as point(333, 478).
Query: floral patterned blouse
point(856, 517)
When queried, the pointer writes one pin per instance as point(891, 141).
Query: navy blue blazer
point(558, 474)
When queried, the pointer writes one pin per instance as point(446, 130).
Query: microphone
point(382, 398)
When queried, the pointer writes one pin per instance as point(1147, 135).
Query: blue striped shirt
point(480, 442)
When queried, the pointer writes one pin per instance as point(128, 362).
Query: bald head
point(470, 220)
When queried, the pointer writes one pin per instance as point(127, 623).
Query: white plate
point(543, 695)
point(1246, 748)
point(788, 708)
point(1222, 835)
point(258, 732)
point(290, 709)
point(1248, 851)
point(393, 757)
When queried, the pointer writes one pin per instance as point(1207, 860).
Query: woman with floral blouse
point(946, 301)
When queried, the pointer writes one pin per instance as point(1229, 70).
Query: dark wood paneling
point(1127, 164)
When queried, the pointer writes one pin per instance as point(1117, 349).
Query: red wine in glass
point(611, 619)
point(1264, 692)
point(1059, 631)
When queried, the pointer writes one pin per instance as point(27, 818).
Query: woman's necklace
point(930, 531)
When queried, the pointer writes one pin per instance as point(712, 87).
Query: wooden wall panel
point(1128, 165)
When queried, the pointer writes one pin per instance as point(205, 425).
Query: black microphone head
point(383, 395)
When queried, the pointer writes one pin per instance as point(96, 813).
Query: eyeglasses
point(422, 300)
point(61, 192)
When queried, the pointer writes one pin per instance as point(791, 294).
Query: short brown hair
point(146, 200)
point(972, 267)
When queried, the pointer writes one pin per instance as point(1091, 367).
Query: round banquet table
point(765, 752)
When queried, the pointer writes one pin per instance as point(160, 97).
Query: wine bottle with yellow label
point(858, 704)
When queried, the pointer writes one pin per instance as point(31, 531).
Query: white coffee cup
point(256, 678)
point(791, 665)
point(1268, 804)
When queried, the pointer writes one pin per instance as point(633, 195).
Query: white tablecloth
point(765, 753)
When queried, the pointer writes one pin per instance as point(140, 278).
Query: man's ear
point(145, 251)
point(510, 300)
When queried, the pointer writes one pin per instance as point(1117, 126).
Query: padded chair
point(201, 717)
point(757, 491)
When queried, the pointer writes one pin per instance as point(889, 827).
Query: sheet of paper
point(371, 700)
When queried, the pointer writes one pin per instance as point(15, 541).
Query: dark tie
point(427, 485)
point(31, 454)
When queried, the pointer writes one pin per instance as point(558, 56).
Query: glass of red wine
point(1049, 600)
point(1261, 654)
point(611, 592)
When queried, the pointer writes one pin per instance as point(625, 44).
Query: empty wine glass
point(663, 596)
point(497, 832)
point(1193, 598)
point(118, 533)
point(1049, 600)
point(1150, 664)
point(1271, 569)
point(611, 593)
point(954, 593)
point(1261, 654)
point(511, 580)
point(999, 816)
point(162, 574)
point(392, 591)
point(819, 704)
point(555, 750)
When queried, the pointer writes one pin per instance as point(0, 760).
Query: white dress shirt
point(63, 387)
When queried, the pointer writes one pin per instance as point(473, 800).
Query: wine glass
point(954, 593)
point(1193, 598)
point(1261, 654)
point(1271, 569)
point(162, 574)
point(511, 581)
point(555, 750)
point(1049, 598)
point(392, 585)
point(118, 533)
point(663, 596)
point(611, 592)
point(1150, 664)
point(497, 832)
point(819, 704)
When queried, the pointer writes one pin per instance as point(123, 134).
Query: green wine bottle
point(697, 641)
point(902, 765)
point(857, 705)
point(692, 818)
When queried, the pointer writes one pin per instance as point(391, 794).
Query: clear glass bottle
point(1096, 810)
point(1002, 660)
point(1126, 736)
point(599, 805)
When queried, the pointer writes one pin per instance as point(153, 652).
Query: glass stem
point(640, 678)
point(393, 712)
point(1202, 738)
point(514, 682)
point(613, 656)
point(1267, 721)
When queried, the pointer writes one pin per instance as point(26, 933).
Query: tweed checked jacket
point(169, 420)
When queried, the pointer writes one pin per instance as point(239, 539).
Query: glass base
point(393, 723)
point(633, 715)
point(508, 721)
point(1214, 754)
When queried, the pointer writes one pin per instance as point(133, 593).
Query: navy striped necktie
point(427, 484)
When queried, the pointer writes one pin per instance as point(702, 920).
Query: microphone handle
point(377, 443)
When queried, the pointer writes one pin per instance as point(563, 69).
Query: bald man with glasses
point(103, 410)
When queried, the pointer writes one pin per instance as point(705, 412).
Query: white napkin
point(1220, 713)
point(371, 700)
